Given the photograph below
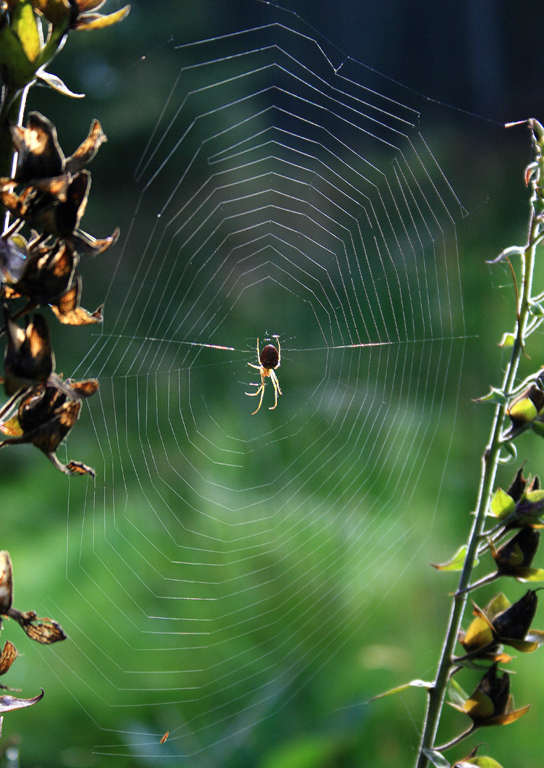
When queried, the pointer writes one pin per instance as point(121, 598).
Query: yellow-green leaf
point(507, 340)
point(510, 717)
point(17, 71)
point(496, 605)
point(456, 563)
point(523, 410)
point(26, 28)
point(481, 762)
point(530, 574)
point(11, 427)
point(479, 706)
point(478, 635)
point(534, 496)
point(502, 504)
point(99, 20)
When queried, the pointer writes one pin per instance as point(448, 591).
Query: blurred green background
point(286, 682)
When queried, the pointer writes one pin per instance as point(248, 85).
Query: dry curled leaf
point(39, 155)
point(29, 356)
point(6, 582)
point(48, 274)
point(7, 657)
point(9, 703)
point(45, 417)
point(45, 631)
point(68, 310)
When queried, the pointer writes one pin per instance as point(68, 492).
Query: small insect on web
point(268, 360)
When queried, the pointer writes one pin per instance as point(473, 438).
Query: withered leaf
point(38, 151)
point(89, 245)
point(87, 149)
point(45, 631)
point(7, 657)
point(79, 316)
point(514, 622)
point(77, 468)
point(9, 703)
point(48, 274)
point(53, 206)
point(6, 582)
point(29, 356)
point(12, 258)
point(84, 388)
point(11, 427)
point(68, 311)
point(70, 212)
point(47, 414)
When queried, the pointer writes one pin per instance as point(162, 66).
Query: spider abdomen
point(269, 357)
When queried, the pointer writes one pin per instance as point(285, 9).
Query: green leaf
point(507, 340)
point(537, 310)
point(400, 688)
point(482, 762)
point(457, 695)
point(496, 605)
point(456, 563)
point(535, 496)
point(17, 71)
point(502, 504)
point(511, 450)
point(494, 396)
point(538, 428)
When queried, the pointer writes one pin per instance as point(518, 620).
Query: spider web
point(224, 564)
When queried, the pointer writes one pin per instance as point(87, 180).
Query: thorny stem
point(490, 458)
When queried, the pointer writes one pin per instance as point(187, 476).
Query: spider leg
point(277, 390)
point(261, 390)
point(254, 394)
point(279, 351)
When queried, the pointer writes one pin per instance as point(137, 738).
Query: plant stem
point(11, 113)
point(490, 461)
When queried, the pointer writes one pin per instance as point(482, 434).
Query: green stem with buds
point(491, 456)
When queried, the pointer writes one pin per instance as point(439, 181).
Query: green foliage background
point(402, 636)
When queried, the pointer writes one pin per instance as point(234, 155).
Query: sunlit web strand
point(225, 348)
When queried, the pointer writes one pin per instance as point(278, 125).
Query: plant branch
point(491, 457)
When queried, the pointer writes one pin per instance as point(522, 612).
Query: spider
point(268, 360)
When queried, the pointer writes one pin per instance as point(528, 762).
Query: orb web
point(225, 561)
